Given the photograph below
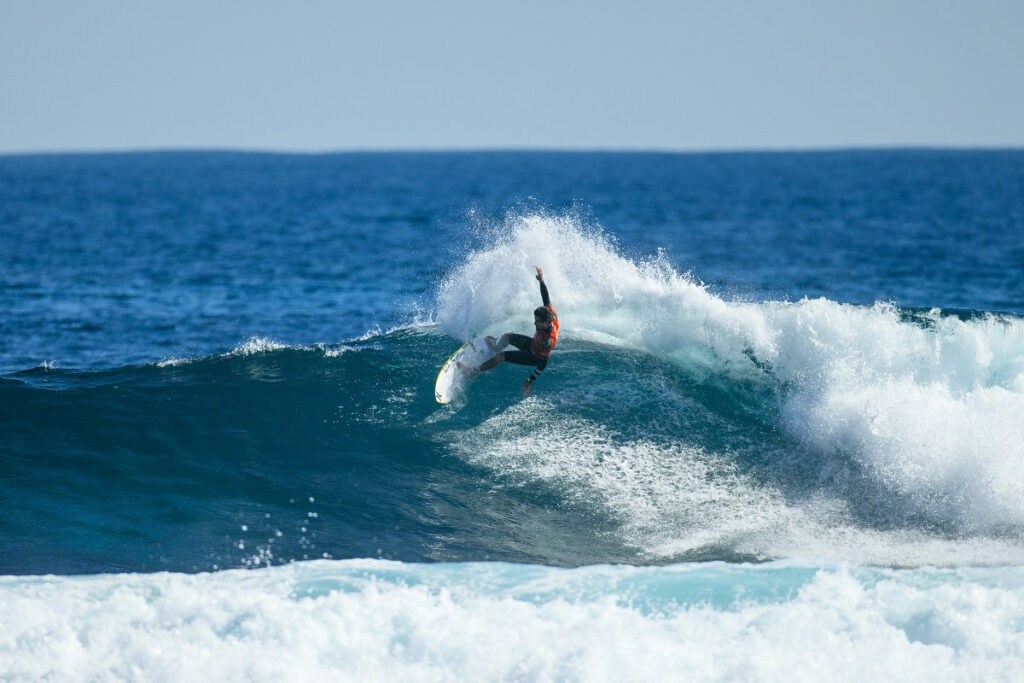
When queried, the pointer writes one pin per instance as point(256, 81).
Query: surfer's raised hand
point(540, 274)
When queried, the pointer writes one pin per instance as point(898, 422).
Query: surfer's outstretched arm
point(543, 287)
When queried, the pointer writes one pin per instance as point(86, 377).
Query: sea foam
point(378, 620)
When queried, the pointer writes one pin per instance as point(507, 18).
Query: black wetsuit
point(523, 356)
point(536, 350)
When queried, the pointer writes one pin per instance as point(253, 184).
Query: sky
point(342, 75)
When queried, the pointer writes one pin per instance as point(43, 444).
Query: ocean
point(781, 437)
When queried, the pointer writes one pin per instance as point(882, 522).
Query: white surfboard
point(451, 379)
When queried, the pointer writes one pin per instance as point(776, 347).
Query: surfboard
point(450, 380)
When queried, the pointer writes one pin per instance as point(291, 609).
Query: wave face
point(672, 425)
point(376, 620)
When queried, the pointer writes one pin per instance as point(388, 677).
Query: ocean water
point(781, 438)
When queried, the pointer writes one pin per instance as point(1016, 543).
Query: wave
point(376, 620)
point(895, 415)
point(672, 424)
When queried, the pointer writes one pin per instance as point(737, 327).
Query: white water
point(367, 620)
point(930, 412)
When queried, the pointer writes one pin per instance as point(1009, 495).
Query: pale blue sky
point(446, 74)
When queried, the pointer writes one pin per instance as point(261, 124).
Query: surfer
point(529, 351)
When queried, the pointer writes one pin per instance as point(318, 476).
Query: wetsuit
point(537, 350)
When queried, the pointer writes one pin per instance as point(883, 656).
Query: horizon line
point(497, 149)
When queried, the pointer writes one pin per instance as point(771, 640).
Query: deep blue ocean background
point(770, 365)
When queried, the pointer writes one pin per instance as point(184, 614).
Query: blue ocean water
point(783, 429)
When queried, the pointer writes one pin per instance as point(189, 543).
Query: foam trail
point(675, 500)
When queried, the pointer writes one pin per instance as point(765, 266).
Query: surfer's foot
point(497, 344)
point(466, 370)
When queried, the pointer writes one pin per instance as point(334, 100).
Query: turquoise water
point(783, 426)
